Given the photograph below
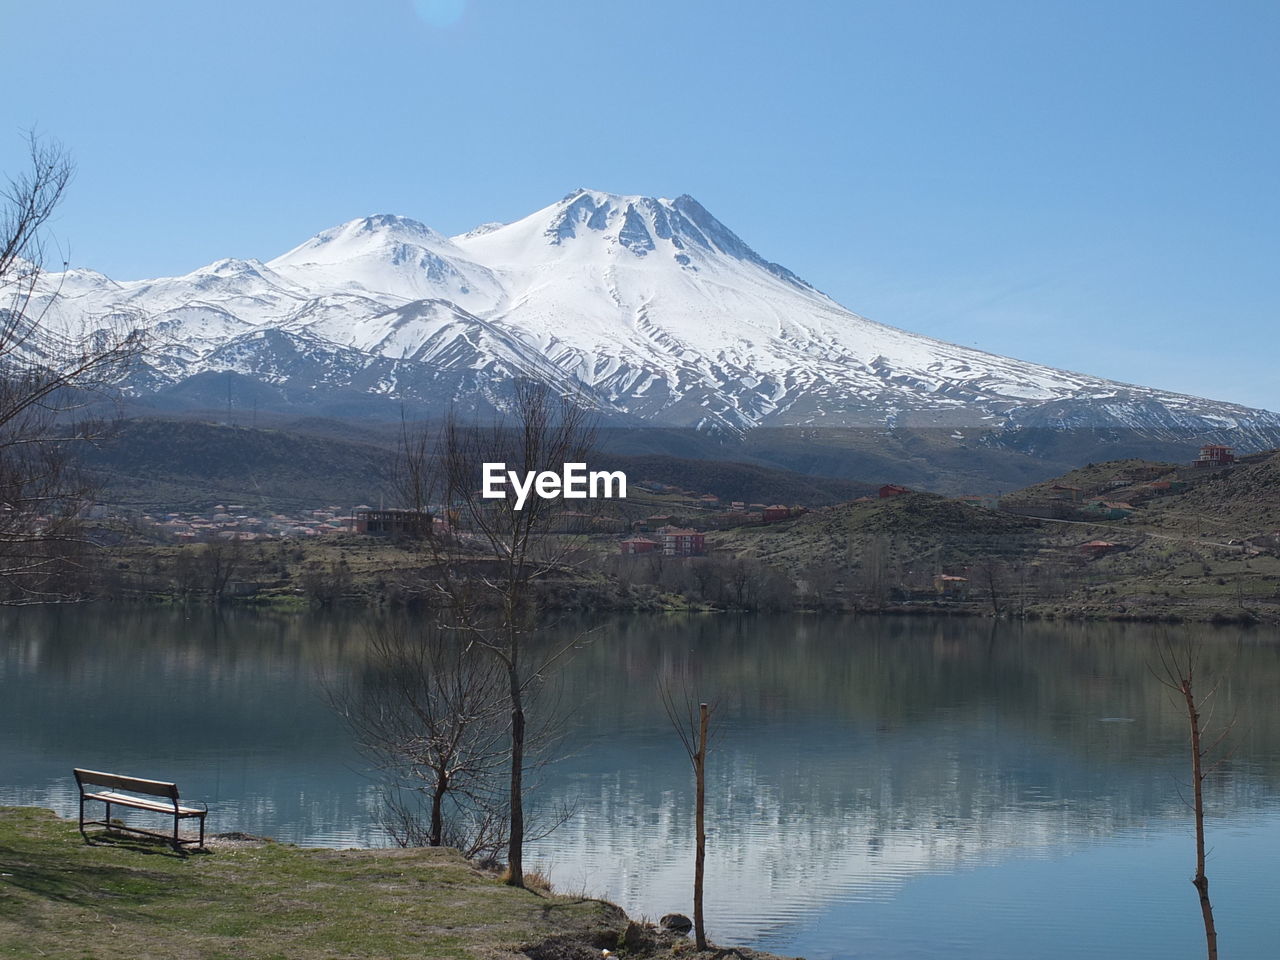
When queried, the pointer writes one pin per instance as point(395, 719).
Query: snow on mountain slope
point(651, 306)
point(389, 257)
point(247, 290)
point(670, 315)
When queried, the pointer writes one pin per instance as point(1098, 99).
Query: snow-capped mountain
point(652, 308)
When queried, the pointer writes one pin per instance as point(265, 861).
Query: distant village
point(660, 534)
point(240, 522)
point(891, 546)
point(657, 533)
point(682, 529)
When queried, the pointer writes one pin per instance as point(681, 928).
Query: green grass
point(128, 898)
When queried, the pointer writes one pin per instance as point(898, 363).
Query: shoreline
point(1211, 615)
point(254, 897)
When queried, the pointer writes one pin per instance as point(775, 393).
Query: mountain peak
point(643, 225)
point(383, 225)
point(384, 236)
point(604, 197)
point(233, 266)
point(387, 255)
point(481, 230)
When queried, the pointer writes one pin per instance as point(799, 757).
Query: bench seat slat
point(114, 781)
point(126, 801)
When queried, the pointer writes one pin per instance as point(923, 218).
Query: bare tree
point(693, 728)
point(325, 585)
point(186, 572)
point(874, 570)
point(220, 560)
point(743, 580)
point(1178, 673)
point(489, 567)
point(429, 716)
point(706, 578)
point(413, 472)
point(991, 577)
point(48, 377)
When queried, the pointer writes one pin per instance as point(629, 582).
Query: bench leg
point(202, 833)
point(107, 816)
point(82, 833)
point(177, 844)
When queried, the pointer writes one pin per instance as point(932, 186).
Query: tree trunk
point(437, 810)
point(699, 863)
point(515, 845)
point(1201, 882)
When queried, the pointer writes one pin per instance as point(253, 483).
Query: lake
point(878, 787)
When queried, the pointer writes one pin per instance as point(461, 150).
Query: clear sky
point(1091, 185)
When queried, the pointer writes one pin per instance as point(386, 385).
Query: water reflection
point(859, 761)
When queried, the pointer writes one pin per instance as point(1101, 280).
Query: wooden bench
point(114, 790)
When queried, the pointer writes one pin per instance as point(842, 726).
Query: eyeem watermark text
point(573, 483)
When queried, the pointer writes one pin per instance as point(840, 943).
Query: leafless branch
point(488, 556)
point(49, 376)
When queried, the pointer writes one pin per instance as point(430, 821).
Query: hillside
point(1241, 501)
point(1234, 502)
point(154, 464)
point(151, 463)
point(730, 481)
point(906, 530)
point(1202, 545)
point(1129, 538)
point(1114, 477)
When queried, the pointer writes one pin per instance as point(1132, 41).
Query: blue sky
point(1090, 185)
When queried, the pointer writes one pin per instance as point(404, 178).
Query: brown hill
point(1239, 501)
point(905, 527)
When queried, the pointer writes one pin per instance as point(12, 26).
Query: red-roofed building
point(634, 546)
point(892, 490)
point(1214, 455)
point(682, 543)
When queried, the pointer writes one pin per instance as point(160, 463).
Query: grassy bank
point(124, 898)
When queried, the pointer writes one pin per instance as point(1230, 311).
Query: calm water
point(886, 788)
